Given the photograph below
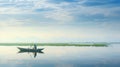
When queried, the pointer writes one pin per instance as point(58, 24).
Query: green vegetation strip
point(53, 44)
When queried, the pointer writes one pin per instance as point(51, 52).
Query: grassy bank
point(53, 44)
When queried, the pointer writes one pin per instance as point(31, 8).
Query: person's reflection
point(35, 54)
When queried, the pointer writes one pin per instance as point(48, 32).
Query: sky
point(59, 21)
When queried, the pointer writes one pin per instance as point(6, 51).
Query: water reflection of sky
point(61, 57)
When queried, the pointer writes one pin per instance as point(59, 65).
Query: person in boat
point(35, 47)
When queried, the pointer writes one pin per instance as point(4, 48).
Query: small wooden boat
point(30, 50)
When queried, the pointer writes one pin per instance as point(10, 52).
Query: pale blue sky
point(59, 20)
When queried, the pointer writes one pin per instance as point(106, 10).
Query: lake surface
point(62, 56)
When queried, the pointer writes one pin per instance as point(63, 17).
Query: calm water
point(62, 57)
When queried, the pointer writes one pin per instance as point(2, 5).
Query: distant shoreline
point(54, 44)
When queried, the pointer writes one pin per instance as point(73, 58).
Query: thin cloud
point(61, 20)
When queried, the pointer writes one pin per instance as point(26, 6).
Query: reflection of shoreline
point(34, 52)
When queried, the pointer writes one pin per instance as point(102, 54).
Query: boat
point(33, 50)
point(29, 50)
